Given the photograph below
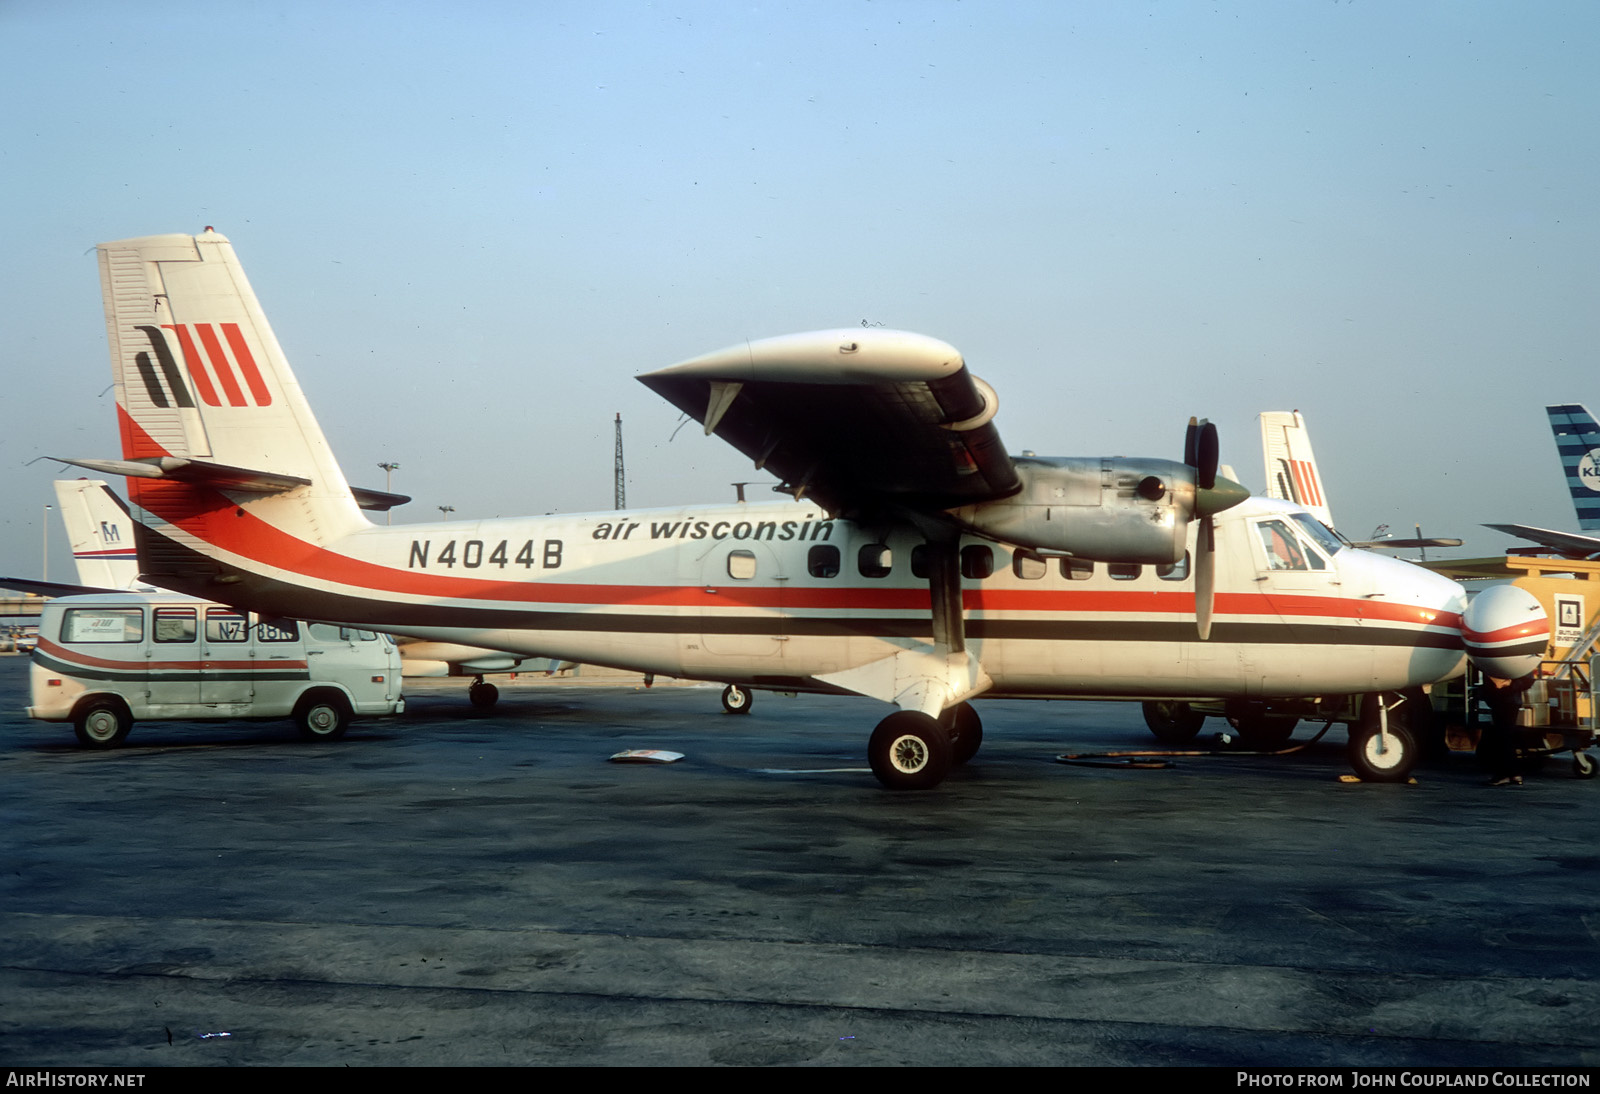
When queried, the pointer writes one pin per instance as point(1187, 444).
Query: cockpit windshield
point(1318, 533)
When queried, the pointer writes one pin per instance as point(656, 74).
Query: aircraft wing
point(852, 418)
point(1569, 544)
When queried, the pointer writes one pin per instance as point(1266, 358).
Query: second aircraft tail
point(1578, 441)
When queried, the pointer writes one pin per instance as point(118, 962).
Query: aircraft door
point(1299, 577)
point(743, 613)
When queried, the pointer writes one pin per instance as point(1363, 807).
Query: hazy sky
point(472, 224)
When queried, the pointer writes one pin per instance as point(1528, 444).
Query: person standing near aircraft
point(1504, 701)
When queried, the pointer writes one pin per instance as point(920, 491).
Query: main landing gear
point(913, 751)
point(737, 700)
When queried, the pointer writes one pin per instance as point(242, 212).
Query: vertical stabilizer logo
point(220, 379)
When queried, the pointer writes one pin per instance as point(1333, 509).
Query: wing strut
point(944, 588)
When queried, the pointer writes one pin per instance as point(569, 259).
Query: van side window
point(324, 632)
point(176, 625)
point(103, 625)
point(226, 625)
point(823, 560)
point(277, 630)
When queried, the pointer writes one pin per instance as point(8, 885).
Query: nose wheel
point(481, 695)
point(737, 700)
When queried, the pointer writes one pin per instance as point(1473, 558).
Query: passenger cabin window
point(1174, 571)
point(1076, 569)
point(741, 565)
point(1124, 571)
point(226, 625)
point(875, 560)
point(103, 625)
point(1028, 566)
point(823, 560)
point(977, 562)
point(919, 561)
point(176, 625)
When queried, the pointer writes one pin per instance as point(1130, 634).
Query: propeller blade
point(1204, 577)
point(1209, 453)
point(1201, 451)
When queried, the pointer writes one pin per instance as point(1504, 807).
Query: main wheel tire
point(1173, 722)
point(966, 732)
point(322, 718)
point(1376, 759)
point(909, 750)
point(102, 724)
point(1262, 730)
point(483, 695)
point(737, 700)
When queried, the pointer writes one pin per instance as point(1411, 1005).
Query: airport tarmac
point(454, 887)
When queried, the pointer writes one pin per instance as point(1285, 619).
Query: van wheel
point(322, 719)
point(103, 724)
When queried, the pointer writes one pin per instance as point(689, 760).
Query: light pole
point(447, 510)
point(389, 468)
point(45, 552)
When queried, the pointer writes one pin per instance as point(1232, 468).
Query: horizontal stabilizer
point(50, 588)
point(197, 471)
point(379, 501)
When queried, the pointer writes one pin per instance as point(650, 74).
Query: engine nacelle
point(1506, 631)
point(1109, 510)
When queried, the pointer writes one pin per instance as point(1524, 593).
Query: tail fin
point(101, 534)
point(213, 422)
point(1291, 467)
point(1578, 441)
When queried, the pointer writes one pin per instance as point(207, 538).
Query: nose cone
point(1224, 495)
point(1506, 631)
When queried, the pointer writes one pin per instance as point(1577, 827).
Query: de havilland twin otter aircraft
point(913, 560)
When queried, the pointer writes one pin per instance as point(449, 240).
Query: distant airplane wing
point(1569, 544)
point(852, 418)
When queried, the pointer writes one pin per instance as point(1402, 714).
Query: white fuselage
point(778, 595)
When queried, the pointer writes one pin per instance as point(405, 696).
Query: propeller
point(1200, 451)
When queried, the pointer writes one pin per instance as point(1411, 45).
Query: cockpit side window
point(1282, 547)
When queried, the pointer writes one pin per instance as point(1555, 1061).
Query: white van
point(107, 660)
